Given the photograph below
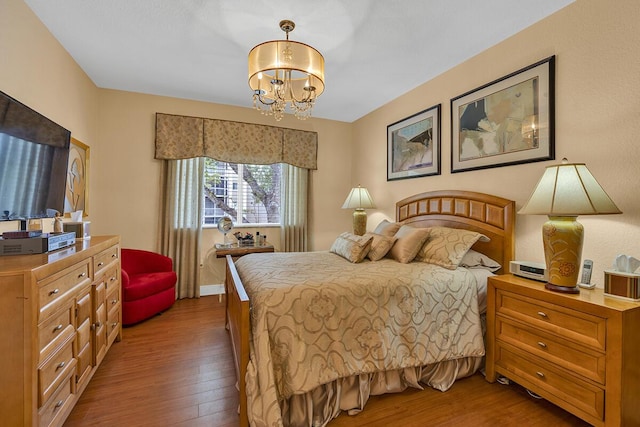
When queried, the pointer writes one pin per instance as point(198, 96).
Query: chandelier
point(284, 73)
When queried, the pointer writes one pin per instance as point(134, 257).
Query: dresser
point(579, 351)
point(60, 313)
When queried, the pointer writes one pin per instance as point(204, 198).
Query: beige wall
point(597, 46)
point(597, 49)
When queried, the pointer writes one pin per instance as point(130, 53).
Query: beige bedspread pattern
point(348, 319)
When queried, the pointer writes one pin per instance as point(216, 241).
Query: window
point(249, 194)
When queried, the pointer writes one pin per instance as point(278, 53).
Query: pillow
point(351, 247)
point(387, 228)
point(410, 240)
point(473, 259)
point(380, 245)
point(446, 246)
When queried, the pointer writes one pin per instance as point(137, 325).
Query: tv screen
point(33, 162)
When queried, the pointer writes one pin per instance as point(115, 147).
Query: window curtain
point(293, 231)
point(184, 137)
point(181, 222)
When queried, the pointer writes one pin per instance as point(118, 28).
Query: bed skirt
point(324, 403)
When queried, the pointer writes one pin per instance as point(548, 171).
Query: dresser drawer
point(113, 295)
point(581, 360)
point(113, 324)
point(62, 398)
point(574, 325)
point(55, 290)
point(104, 259)
point(52, 373)
point(552, 383)
point(55, 331)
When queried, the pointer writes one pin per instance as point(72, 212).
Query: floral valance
point(184, 137)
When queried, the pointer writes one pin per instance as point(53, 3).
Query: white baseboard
point(211, 290)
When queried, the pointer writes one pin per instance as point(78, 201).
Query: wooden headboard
point(490, 215)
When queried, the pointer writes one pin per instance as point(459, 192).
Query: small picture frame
point(506, 122)
point(413, 145)
point(76, 195)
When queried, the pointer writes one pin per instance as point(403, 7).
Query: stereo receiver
point(529, 270)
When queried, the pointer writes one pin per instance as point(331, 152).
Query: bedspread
point(316, 317)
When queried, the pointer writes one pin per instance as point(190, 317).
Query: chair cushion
point(143, 285)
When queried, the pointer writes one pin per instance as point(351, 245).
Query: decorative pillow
point(473, 259)
point(351, 247)
point(380, 245)
point(408, 243)
point(446, 246)
point(387, 228)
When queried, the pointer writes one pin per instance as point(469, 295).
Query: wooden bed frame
point(490, 215)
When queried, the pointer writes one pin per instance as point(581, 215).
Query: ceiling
point(375, 50)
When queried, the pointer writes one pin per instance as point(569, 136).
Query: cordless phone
point(585, 279)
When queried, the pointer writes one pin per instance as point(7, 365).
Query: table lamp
point(359, 199)
point(564, 192)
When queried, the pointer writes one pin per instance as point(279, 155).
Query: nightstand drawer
point(562, 389)
point(574, 325)
point(582, 361)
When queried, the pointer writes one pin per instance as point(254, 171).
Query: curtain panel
point(183, 137)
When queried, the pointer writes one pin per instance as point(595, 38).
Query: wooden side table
point(237, 251)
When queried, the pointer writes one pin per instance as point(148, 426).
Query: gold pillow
point(410, 240)
point(387, 228)
point(351, 247)
point(380, 245)
point(446, 246)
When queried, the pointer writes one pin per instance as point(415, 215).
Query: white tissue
point(626, 264)
point(76, 216)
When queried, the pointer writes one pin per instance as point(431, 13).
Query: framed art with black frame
point(506, 122)
point(413, 145)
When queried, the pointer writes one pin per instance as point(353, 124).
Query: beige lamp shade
point(564, 192)
point(569, 189)
point(359, 199)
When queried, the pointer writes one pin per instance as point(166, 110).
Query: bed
point(314, 368)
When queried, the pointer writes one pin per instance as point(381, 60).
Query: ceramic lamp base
point(562, 238)
point(359, 222)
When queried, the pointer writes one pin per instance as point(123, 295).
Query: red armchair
point(148, 284)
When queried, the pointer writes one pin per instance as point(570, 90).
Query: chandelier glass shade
point(284, 73)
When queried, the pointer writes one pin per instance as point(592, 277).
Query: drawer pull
point(59, 404)
point(57, 328)
point(112, 279)
point(542, 314)
point(55, 291)
point(100, 264)
point(114, 324)
point(541, 344)
point(98, 324)
point(114, 301)
point(81, 275)
point(540, 374)
point(113, 255)
point(60, 365)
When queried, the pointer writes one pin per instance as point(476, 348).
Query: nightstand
point(578, 351)
point(237, 251)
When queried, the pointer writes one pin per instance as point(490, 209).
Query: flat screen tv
point(33, 162)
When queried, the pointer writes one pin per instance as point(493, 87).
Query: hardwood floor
point(176, 370)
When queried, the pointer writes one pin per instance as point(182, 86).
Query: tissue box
point(619, 284)
point(80, 228)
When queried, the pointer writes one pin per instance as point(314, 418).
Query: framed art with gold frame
point(76, 195)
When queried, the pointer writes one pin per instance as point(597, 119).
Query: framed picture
point(413, 145)
point(506, 122)
point(76, 195)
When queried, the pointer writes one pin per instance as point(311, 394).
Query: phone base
point(587, 285)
